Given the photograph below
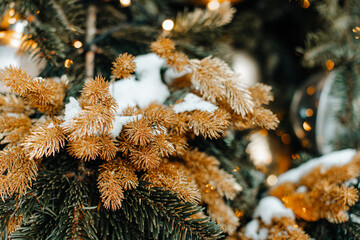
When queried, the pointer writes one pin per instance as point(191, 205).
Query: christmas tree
point(136, 124)
point(116, 160)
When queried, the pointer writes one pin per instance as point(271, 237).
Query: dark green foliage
point(58, 208)
point(151, 213)
point(61, 210)
point(336, 42)
point(64, 204)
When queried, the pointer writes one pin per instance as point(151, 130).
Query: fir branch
point(161, 215)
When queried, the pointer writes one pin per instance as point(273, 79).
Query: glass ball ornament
point(314, 111)
point(304, 108)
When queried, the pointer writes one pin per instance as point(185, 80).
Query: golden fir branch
point(115, 177)
point(217, 83)
point(124, 66)
point(157, 133)
point(325, 195)
point(281, 228)
point(261, 94)
point(214, 184)
point(209, 125)
point(13, 222)
point(10, 103)
point(46, 95)
point(219, 211)
point(165, 48)
point(144, 158)
point(44, 140)
point(96, 92)
point(90, 121)
point(9, 122)
point(201, 19)
point(16, 78)
point(86, 148)
point(17, 172)
point(173, 177)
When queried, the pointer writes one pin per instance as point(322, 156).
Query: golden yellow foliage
point(123, 66)
point(115, 176)
point(325, 197)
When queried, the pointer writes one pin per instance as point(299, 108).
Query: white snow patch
point(355, 218)
point(237, 187)
point(71, 110)
point(51, 125)
point(38, 79)
point(338, 158)
point(252, 231)
point(170, 74)
point(270, 207)
point(301, 189)
point(147, 89)
point(351, 181)
point(192, 102)
point(14, 114)
point(120, 121)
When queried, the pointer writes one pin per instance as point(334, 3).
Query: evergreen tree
point(90, 167)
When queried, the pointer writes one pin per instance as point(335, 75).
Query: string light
point(213, 5)
point(15, 43)
point(125, 3)
point(2, 34)
point(239, 214)
point(68, 63)
point(168, 24)
point(306, 126)
point(12, 20)
point(305, 4)
point(356, 30)
point(271, 180)
point(295, 156)
point(309, 112)
point(77, 44)
point(285, 138)
point(264, 132)
point(310, 90)
point(330, 65)
point(11, 12)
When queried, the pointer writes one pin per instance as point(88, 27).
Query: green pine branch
point(157, 214)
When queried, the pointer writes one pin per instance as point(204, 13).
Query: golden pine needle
point(172, 177)
point(15, 78)
point(88, 148)
point(9, 123)
point(108, 147)
point(163, 47)
point(325, 197)
point(96, 91)
point(239, 98)
point(265, 118)
point(91, 120)
point(13, 223)
point(139, 132)
point(261, 94)
point(123, 66)
point(144, 159)
point(162, 144)
point(44, 140)
point(115, 176)
point(209, 125)
point(17, 172)
point(201, 19)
